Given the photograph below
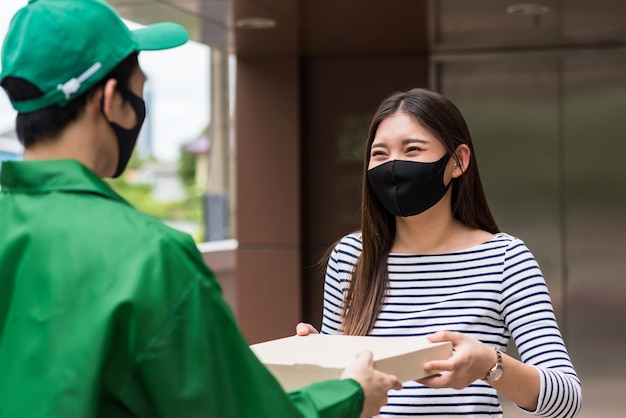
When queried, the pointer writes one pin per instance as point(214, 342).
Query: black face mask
point(126, 138)
point(408, 188)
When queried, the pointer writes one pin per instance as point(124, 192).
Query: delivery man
point(104, 311)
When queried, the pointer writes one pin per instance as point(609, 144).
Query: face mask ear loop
point(126, 95)
point(453, 157)
point(102, 105)
point(439, 167)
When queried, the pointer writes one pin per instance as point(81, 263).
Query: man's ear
point(110, 100)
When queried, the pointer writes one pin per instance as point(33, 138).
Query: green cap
point(64, 47)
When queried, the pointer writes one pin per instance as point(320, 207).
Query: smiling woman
point(430, 260)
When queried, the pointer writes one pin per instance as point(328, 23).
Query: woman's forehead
point(401, 127)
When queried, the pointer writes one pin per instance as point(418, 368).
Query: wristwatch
point(496, 371)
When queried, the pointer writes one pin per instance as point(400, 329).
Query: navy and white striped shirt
point(492, 292)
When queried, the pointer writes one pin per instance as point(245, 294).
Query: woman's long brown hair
point(367, 288)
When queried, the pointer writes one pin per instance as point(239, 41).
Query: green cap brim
point(160, 36)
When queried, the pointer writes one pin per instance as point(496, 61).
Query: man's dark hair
point(41, 125)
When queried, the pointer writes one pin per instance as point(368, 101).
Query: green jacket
point(107, 312)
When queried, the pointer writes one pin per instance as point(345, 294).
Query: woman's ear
point(460, 160)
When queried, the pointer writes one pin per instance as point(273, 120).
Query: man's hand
point(375, 383)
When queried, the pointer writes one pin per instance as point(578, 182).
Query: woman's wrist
point(494, 373)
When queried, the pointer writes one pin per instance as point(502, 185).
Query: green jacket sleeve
point(332, 398)
point(198, 364)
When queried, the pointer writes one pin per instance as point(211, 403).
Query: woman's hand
point(305, 329)
point(470, 361)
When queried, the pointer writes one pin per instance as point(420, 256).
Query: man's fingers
point(365, 357)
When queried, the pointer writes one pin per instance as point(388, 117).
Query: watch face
point(495, 375)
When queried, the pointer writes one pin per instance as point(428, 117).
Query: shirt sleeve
point(333, 297)
point(338, 272)
point(529, 315)
point(198, 364)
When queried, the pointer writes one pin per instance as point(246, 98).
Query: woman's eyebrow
point(414, 140)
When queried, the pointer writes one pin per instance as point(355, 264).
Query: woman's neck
point(435, 231)
point(424, 234)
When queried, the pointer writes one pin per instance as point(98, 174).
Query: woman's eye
point(377, 153)
point(412, 149)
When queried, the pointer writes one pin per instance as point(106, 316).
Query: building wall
point(268, 196)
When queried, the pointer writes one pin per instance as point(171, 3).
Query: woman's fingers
point(305, 329)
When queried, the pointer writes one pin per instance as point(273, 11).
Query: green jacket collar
point(44, 176)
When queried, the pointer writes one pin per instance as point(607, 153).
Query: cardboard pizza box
point(298, 361)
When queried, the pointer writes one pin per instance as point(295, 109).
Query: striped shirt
point(492, 292)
